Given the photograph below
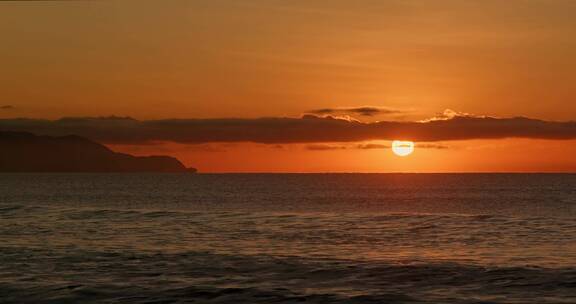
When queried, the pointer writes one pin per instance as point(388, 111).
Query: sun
point(402, 148)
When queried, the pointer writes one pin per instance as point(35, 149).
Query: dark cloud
point(371, 146)
point(321, 147)
point(7, 107)
point(366, 146)
point(308, 129)
point(362, 111)
point(324, 147)
point(432, 146)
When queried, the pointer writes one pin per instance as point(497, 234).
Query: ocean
point(288, 238)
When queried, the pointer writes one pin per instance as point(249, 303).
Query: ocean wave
point(57, 276)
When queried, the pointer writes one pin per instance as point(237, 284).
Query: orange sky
point(521, 155)
point(275, 58)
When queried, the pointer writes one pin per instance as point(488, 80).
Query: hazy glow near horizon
point(402, 148)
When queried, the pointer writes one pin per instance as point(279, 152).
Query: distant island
point(26, 152)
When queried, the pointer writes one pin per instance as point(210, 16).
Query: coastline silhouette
point(26, 152)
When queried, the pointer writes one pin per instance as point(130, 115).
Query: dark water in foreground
point(330, 238)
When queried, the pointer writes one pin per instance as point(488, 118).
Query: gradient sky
point(154, 60)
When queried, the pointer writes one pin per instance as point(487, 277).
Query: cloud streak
point(332, 147)
point(362, 111)
point(307, 129)
point(367, 146)
point(323, 147)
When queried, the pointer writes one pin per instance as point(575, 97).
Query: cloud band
point(308, 129)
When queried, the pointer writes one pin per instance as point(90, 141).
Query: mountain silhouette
point(26, 152)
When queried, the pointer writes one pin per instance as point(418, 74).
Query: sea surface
point(288, 238)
